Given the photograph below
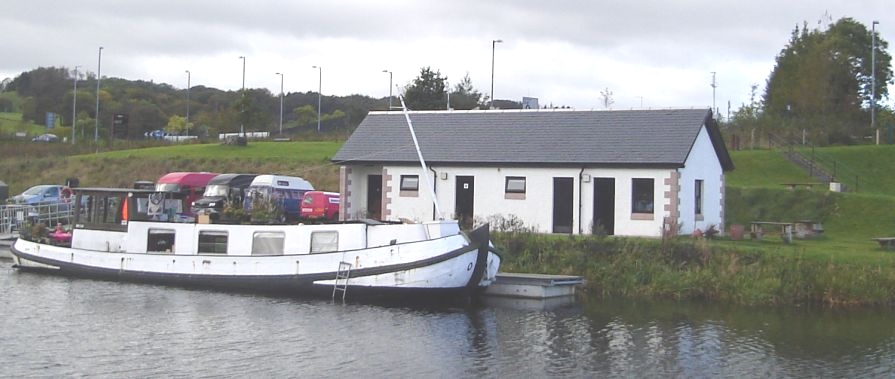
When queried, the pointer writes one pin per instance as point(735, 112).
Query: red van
point(320, 205)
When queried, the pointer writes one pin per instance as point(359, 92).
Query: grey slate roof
point(543, 137)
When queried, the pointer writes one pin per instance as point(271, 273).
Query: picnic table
point(807, 228)
point(759, 228)
point(887, 243)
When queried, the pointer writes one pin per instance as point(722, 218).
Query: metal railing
point(13, 217)
point(819, 165)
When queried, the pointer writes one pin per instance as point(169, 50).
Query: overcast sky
point(655, 53)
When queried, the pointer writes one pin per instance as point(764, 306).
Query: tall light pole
point(281, 103)
point(99, 62)
point(714, 85)
point(319, 89)
point(494, 42)
point(74, 107)
point(187, 102)
point(243, 104)
point(873, 79)
point(389, 89)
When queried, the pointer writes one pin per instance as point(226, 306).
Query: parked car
point(286, 191)
point(224, 188)
point(189, 185)
point(320, 205)
point(45, 138)
point(42, 194)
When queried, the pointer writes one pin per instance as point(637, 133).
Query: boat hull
point(444, 267)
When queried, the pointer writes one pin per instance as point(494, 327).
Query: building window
point(410, 185)
point(514, 187)
point(324, 242)
point(212, 242)
point(642, 196)
point(698, 191)
point(268, 243)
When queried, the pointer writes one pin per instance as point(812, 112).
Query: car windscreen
point(34, 190)
point(167, 187)
point(216, 190)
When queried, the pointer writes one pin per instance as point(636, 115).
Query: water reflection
point(54, 327)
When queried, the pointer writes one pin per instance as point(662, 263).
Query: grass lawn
point(12, 122)
point(851, 219)
point(292, 151)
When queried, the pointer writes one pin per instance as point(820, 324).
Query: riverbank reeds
point(685, 268)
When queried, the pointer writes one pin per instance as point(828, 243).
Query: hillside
point(121, 168)
point(850, 219)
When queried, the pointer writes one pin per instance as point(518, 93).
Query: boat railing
point(13, 217)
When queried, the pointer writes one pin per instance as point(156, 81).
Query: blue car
point(42, 194)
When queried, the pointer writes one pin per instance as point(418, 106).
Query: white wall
point(358, 197)
point(702, 163)
point(535, 209)
point(625, 223)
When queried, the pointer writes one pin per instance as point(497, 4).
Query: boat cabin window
point(212, 242)
point(160, 241)
point(268, 243)
point(324, 242)
point(101, 211)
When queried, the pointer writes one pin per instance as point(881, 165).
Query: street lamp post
point(873, 79)
point(99, 62)
point(187, 102)
point(243, 105)
point(447, 90)
point(74, 107)
point(281, 103)
point(493, 44)
point(389, 89)
point(319, 90)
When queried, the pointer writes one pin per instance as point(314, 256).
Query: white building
point(631, 173)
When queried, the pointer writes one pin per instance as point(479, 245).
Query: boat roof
point(282, 181)
point(194, 179)
point(236, 180)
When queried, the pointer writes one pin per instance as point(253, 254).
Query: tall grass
point(696, 269)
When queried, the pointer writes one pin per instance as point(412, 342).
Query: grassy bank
point(687, 269)
point(31, 164)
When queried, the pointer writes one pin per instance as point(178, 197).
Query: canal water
point(63, 327)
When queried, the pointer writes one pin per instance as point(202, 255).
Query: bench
point(887, 243)
point(759, 228)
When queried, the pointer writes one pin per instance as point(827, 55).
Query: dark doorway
point(604, 206)
point(374, 197)
point(464, 209)
point(563, 192)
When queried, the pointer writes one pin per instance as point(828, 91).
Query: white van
point(284, 191)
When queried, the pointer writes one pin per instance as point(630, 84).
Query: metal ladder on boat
point(341, 283)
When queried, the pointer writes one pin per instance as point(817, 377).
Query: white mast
point(422, 161)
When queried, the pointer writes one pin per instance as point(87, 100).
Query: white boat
point(123, 234)
point(130, 234)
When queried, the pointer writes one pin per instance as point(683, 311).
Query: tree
point(426, 92)
point(304, 115)
point(823, 78)
point(176, 125)
point(464, 96)
point(607, 99)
